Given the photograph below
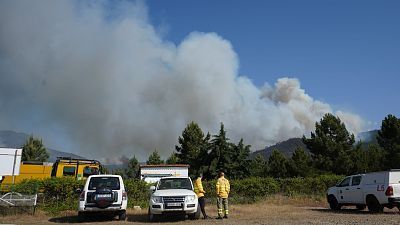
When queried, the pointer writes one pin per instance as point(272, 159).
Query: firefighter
point(198, 189)
point(222, 188)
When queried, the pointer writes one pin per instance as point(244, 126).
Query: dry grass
point(276, 209)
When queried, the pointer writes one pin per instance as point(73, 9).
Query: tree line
point(332, 150)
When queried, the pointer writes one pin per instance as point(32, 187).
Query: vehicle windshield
point(175, 183)
point(104, 182)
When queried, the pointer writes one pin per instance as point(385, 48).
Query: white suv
point(103, 193)
point(173, 195)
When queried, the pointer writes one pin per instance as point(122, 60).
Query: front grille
point(174, 199)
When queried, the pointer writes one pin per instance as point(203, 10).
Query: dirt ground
point(277, 210)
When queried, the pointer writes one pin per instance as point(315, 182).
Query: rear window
point(104, 182)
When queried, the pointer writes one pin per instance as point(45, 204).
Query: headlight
point(190, 198)
point(156, 199)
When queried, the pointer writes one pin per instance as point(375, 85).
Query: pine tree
point(331, 145)
point(389, 139)
point(173, 159)
point(132, 171)
point(301, 163)
point(154, 159)
point(278, 165)
point(34, 150)
point(193, 148)
point(220, 154)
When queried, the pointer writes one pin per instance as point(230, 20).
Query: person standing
point(198, 189)
point(222, 188)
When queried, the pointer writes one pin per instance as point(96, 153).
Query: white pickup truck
point(173, 195)
point(374, 190)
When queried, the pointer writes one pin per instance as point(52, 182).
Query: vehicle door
point(355, 192)
point(343, 190)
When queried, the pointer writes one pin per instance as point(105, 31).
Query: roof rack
point(70, 159)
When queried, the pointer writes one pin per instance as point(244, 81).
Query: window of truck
point(175, 183)
point(356, 181)
point(87, 171)
point(104, 182)
point(69, 171)
point(345, 182)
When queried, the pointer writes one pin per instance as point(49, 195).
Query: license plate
point(174, 204)
point(104, 196)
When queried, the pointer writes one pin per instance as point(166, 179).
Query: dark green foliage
point(389, 139)
point(193, 148)
point(331, 145)
point(220, 154)
point(300, 164)
point(375, 158)
point(173, 159)
point(138, 192)
point(258, 166)
point(240, 162)
point(154, 159)
point(34, 150)
point(278, 165)
point(132, 171)
point(309, 185)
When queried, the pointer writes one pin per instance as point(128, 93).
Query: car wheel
point(122, 215)
point(151, 217)
point(374, 205)
point(333, 203)
point(82, 215)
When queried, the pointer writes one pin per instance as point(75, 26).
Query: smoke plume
point(100, 81)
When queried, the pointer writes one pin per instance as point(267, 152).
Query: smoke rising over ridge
point(103, 83)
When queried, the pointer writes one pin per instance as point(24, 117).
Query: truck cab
point(374, 190)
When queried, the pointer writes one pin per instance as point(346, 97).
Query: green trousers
point(222, 204)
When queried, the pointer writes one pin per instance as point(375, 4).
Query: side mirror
point(152, 188)
point(78, 190)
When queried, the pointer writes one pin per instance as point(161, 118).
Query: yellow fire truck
point(79, 168)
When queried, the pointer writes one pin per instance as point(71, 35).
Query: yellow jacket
point(223, 187)
point(198, 188)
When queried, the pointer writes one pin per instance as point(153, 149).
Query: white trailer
point(153, 173)
point(10, 159)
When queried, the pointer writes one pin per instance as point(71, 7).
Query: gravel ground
point(268, 212)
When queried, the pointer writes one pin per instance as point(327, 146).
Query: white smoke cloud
point(103, 83)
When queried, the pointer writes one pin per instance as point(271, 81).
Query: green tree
point(375, 158)
point(34, 150)
point(132, 171)
point(220, 154)
point(360, 160)
point(173, 159)
point(389, 139)
point(240, 160)
point(331, 145)
point(301, 163)
point(154, 159)
point(278, 164)
point(193, 148)
point(258, 166)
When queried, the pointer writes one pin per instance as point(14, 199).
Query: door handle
point(347, 189)
point(358, 188)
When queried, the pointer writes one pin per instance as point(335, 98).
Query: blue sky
point(345, 53)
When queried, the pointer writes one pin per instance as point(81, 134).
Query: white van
point(374, 190)
point(103, 194)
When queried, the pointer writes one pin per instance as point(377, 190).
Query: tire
point(374, 205)
point(82, 216)
point(151, 217)
point(122, 215)
point(333, 203)
point(106, 202)
point(360, 207)
point(196, 215)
